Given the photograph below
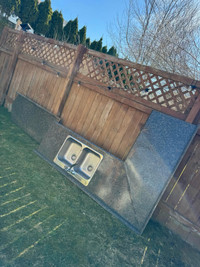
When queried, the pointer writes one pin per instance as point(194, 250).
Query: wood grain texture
point(194, 111)
point(179, 207)
point(4, 65)
point(126, 98)
point(81, 50)
point(41, 86)
point(8, 75)
point(183, 193)
point(144, 68)
point(107, 123)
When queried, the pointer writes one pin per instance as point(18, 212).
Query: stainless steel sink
point(87, 164)
point(69, 153)
point(78, 159)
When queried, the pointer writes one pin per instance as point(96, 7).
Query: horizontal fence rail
point(49, 50)
point(159, 87)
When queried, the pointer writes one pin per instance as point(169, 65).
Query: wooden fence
point(106, 100)
point(179, 208)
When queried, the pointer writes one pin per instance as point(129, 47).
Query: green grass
point(45, 220)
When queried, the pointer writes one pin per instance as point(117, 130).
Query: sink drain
point(90, 168)
point(73, 157)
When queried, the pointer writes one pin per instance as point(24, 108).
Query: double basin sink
point(78, 159)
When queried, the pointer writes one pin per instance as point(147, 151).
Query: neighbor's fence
point(179, 208)
point(107, 100)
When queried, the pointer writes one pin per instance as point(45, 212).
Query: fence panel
point(45, 88)
point(179, 208)
point(108, 123)
point(154, 87)
point(4, 65)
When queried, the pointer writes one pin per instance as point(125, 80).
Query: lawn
point(45, 220)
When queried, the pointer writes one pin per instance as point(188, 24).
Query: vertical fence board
point(128, 119)
point(28, 70)
point(109, 127)
point(92, 110)
point(54, 92)
point(116, 120)
point(90, 96)
point(67, 110)
point(12, 65)
point(132, 132)
point(76, 104)
point(102, 120)
point(181, 200)
point(15, 83)
point(4, 65)
point(59, 96)
point(102, 101)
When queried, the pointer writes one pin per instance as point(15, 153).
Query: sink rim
point(75, 169)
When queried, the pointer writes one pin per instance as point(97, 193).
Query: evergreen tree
point(99, 45)
point(41, 24)
point(8, 6)
point(74, 31)
point(87, 43)
point(112, 51)
point(82, 35)
point(17, 7)
point(96, 45)
point(28, 11)
point(104, 49)
point(56, 26)
point(93, 45)
point(67, 30)
point(71, 31)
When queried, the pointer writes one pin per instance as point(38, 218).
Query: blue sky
point(96, 15)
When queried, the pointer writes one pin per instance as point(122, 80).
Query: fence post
point(81, 50)
point(194, 111)
point(3, 36)
point(11, 67)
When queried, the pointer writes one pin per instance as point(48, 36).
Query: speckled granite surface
point(153, 160)
point(31, 117)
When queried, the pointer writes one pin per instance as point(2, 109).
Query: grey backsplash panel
point(31, 117)
point(153, 160)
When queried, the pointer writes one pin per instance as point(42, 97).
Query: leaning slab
point(130, 189)
point(31, 117)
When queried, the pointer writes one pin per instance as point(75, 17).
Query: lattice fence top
point(11, 39)
point(140, 81)
point(41, 48)
point(54, 53)
point(149, 86)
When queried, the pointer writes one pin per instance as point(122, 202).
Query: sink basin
point(87, 164)
point(78, 159)
point(69, 153)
